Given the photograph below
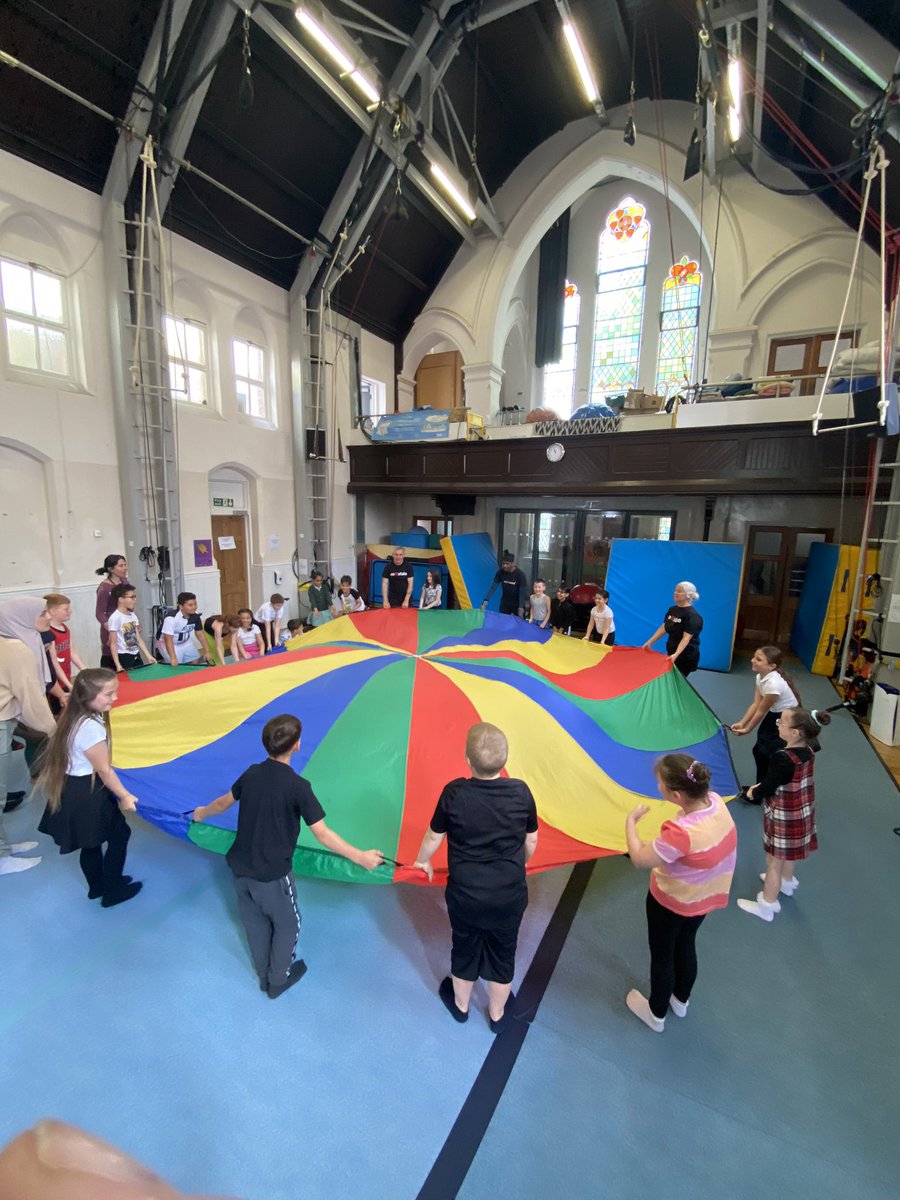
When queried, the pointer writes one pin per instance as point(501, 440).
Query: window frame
point(623, 211)
point(174, 361)
point(581, 514)
point(557, 368)
point(263, 382)
point(70, 380)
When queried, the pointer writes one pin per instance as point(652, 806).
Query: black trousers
point(103, 872)
point(686, 664)
point(673, 959)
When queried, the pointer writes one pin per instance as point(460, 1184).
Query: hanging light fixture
point(315, 27)
point(455, 190)
point(735, 91)
point(579, 57)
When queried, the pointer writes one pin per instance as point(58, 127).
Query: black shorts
point(483, 953)
point(130, 662)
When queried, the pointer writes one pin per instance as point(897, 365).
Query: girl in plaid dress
point(789, 809)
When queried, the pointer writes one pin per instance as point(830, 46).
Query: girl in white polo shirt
point(774, 692)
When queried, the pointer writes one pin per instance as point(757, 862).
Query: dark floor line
point(458, 1152)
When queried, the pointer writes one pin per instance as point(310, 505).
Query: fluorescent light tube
point(735, 85)
point(368, 89)
point(331, 48)
point(455, 193)
point(578, 57)
point(734, 124)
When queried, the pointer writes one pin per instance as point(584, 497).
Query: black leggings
point(103, 872)
point(768, 741)
point(673, 959)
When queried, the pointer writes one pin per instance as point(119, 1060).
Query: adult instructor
point(397, 580)
point(682, 626)
point(22, 696)
point(115, 570)
point(513, 585)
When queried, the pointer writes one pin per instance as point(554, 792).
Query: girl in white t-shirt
point(431, 590)
point(774, 692)
point(85, 798)
point(602, 622)
point(246, 640)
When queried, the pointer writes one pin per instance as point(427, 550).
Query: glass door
point(599, 529)
point(555, 540)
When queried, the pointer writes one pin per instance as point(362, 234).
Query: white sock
point(678, 1007)
point(760, 907)
point(788, 886)
point(11, 866)
point(21, 847)
point(640, 1006)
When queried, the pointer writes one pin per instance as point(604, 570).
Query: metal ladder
point(316, 435)
point(146, 418)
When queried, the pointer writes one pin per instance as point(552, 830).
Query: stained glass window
point(678, 320)
point(559, 377)
point(621, 278)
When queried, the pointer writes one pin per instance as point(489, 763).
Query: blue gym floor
point(144, 1024)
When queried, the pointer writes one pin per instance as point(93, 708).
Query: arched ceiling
point(290, 147)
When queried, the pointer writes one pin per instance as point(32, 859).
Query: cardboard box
point(637, 400)
point(459, 413)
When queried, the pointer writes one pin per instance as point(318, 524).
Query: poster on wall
point(203, 556)
point(226, 543)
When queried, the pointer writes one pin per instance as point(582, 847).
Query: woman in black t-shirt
point(682, 625)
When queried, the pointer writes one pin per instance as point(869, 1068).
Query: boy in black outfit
point(562, 611)
point(273, 801)
point(491, 829)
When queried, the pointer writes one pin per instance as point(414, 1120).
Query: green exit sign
point(223, 502)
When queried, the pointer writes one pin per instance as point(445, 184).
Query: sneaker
point(445, 991)
point(296, 971)
point(96, 893)
point(13, 801)
point(742, 795)
point(640, 1006)
point(509, 1015)
point(21, 847)
point(12, 866)
point(760, 907)
point(678, 1007)
point(127, 892)
point(788, 886)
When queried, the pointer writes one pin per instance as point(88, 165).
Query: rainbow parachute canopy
point(386, 698)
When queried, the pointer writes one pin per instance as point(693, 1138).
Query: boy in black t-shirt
point(273, 800)
point(562, 611)
point(491, 828)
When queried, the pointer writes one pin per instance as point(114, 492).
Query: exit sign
point(223, 502)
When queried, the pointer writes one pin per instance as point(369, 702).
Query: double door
point(773, 580)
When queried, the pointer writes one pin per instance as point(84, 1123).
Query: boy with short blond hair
point(61, 650)
point(491, 827)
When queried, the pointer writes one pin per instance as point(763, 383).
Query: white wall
point(58, 454)
point(781, 261)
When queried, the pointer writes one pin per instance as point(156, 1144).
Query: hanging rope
point(877, 163)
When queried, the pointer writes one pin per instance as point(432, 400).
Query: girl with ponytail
point(692, 863)
point(788, 795)
point(774, 692)
point(85, 799)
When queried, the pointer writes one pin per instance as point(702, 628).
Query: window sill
point(59, 383)
point(206, 411)
point(256, 422)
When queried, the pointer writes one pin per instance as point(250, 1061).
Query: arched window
point(678, 320)
point(559, 377)
point(621, 281)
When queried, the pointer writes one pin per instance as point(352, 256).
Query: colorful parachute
point(386, 698)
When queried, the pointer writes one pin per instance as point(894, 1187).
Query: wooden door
point(230, 549)
point(773, 581)
point(439, 380)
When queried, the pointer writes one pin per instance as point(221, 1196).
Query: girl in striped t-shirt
point(692, 862)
